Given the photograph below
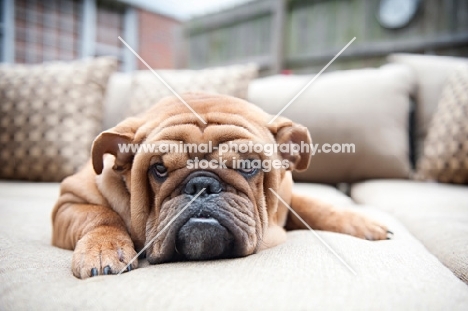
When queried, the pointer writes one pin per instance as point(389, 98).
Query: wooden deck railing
point(304, 35)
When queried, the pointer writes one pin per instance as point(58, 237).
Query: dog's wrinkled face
point(226, 219)
point(199, 212)
point(228, 216)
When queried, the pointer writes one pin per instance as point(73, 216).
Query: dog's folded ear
point(298, 139)
point(115, 141)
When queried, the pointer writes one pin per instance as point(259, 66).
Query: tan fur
point(112, 208)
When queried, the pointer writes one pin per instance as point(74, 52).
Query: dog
point(123, 202)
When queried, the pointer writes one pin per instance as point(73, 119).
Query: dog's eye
point(159, 170)
point(248, 171)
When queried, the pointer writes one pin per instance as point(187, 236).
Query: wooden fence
point(304, 35)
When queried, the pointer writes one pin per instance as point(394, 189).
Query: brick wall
point(157, 40)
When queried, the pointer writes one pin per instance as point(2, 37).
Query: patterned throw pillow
point(147, 89)
point(49, 116)
point(445, 157)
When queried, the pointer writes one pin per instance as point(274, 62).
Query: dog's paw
point(103, 251)
point(362, 227)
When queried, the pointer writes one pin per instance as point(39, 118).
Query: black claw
point(94, 272)
point(389, 234)
point(129, 268)
point(107, 270)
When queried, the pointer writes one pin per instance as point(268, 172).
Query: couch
point(423, 267)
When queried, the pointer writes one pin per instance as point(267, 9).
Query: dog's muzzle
point(202, 236)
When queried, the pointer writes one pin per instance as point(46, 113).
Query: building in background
point(279, 35)
point(33, 31)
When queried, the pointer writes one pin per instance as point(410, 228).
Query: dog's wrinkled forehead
point(218, 118)
point(211, 118)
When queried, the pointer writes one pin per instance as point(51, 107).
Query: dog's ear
point(297, 137)
point(113, 141)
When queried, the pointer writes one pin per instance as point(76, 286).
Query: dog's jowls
point(120, 201)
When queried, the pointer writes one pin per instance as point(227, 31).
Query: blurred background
point(279, 35)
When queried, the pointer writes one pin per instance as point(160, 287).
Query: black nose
point(196, 184)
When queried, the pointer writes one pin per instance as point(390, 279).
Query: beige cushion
point(445, 157)
point(50, 115)
point(300, 274)
point(117, 99)
point(147, 89)
point(367, 107)
point(324, 192)
point(436, 214)
point(431, 74)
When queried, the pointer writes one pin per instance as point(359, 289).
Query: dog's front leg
point(323, 216)
point(98, 237)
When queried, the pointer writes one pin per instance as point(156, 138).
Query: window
point(7, 31)
point(46, 30)
point(2, 31)
point(109, 25)
point(66, 30)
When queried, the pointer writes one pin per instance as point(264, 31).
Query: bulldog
point(124, 201)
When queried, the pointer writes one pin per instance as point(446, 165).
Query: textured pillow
point(147, 89)
point(445, 157)
point(366, 107)
point(50, 114)
point(431, 72)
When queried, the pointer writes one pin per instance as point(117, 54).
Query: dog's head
point(205, 199)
